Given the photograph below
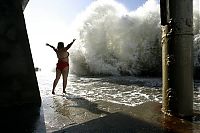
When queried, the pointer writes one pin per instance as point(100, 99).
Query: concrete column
point(177, 64)
point(18, 83)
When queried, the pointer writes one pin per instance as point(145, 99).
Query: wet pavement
point(71, 114)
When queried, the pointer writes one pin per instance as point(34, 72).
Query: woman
point(62, 66)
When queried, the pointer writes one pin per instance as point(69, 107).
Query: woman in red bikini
point(62, 66)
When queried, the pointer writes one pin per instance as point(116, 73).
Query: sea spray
point(113, 41)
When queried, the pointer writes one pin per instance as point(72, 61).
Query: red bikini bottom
point(61, 65)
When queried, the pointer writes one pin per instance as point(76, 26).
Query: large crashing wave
point(113, 41)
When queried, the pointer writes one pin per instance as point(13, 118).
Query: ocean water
point(128, 90)
point(114, 41)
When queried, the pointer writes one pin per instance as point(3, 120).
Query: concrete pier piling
point(177, 64)
point(18, 80)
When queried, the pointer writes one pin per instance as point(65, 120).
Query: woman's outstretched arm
point(51, 46)
point(69, 45)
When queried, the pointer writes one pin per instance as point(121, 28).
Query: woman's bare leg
point(65, 72)
point(58, 74)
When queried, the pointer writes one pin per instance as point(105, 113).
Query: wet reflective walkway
point(68, 114)
point(83, 111)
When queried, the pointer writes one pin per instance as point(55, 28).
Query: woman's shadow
point(80, 102)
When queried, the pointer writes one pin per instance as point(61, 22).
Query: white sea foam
point(113, 41)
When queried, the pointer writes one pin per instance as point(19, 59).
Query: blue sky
point(131, 4)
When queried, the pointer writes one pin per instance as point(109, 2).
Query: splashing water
point(113, 41)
